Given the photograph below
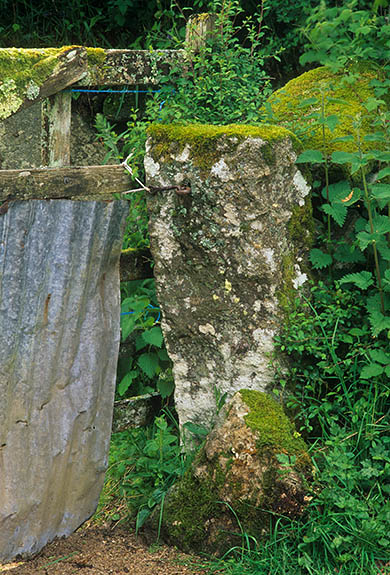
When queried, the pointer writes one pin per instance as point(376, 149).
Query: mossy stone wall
point(227, 259)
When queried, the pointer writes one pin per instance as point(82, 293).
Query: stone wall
point(228, 254)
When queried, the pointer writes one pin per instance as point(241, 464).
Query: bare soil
point(101, 550)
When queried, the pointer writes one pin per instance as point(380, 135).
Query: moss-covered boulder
point(298, 105)
point(253, 464)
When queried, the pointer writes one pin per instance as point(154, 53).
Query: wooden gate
point(59, 305)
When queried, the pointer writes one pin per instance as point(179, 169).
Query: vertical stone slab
point(59, 341)
point(228, 255)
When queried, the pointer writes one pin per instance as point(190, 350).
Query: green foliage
point(144, 464)
point(144, 367)
point(225, 81)
point(342, 35)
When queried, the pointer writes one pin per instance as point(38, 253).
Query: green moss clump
point(342, 99)
point(275, 431)
point(22, 72)
point(191, 504)
point(203, 139)
point(96, 56)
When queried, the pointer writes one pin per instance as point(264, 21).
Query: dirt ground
point(98, 550)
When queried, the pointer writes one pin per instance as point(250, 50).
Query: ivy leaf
point(319, 259)
point(149, 363)
point(153, 336)
point(362, 280)
point(371, 370)
point(310, 156)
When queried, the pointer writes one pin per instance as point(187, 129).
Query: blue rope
point(146, 313)
point(112, 91)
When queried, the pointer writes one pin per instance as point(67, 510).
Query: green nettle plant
point(145, 367)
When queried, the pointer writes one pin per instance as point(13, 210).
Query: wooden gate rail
point(83, 67)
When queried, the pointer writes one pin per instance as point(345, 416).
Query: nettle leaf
point(362, 280)
point(165, 387)
point(371, 370)
point(331, 122)
point(337, 211)
point(376, 137)
point(386, 280)
point(319, 259)
point(345, 157)
point(383, 248)
point(381, 225)
point(382, 156)
point(149, 363)
point(383, 173)
point(380, 356)
point(337, 192)
point(126, 382)
point(348, 254)
point(342, 103)
point(140, 343)
point(379, 322)
point(381, 191)
point(153, 336)
point(128, 324)
point(310, 156)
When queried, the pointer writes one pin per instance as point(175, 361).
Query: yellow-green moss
point(203, 139)
point(275, 431)
point(286, 293)
point(285, 106)
point(301, 224)
point(22, 72)
point(96, 56)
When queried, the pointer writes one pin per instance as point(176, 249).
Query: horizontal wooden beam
point(45, 73)
point(71, 183)
point(128, 67)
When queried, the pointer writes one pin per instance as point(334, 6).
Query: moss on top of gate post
point(203, 139)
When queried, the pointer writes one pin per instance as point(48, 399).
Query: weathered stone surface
point(59, 340)
point(237, 482)
point(228, 255)
point(136, 411)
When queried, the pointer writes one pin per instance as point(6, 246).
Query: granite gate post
point(229, 245)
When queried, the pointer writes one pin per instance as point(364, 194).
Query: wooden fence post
point(56, 121)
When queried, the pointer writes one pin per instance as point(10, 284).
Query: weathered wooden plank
point(73, 183)
point(128, 67)
point(136, 265)
point(56, 121)
point(37, 74)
